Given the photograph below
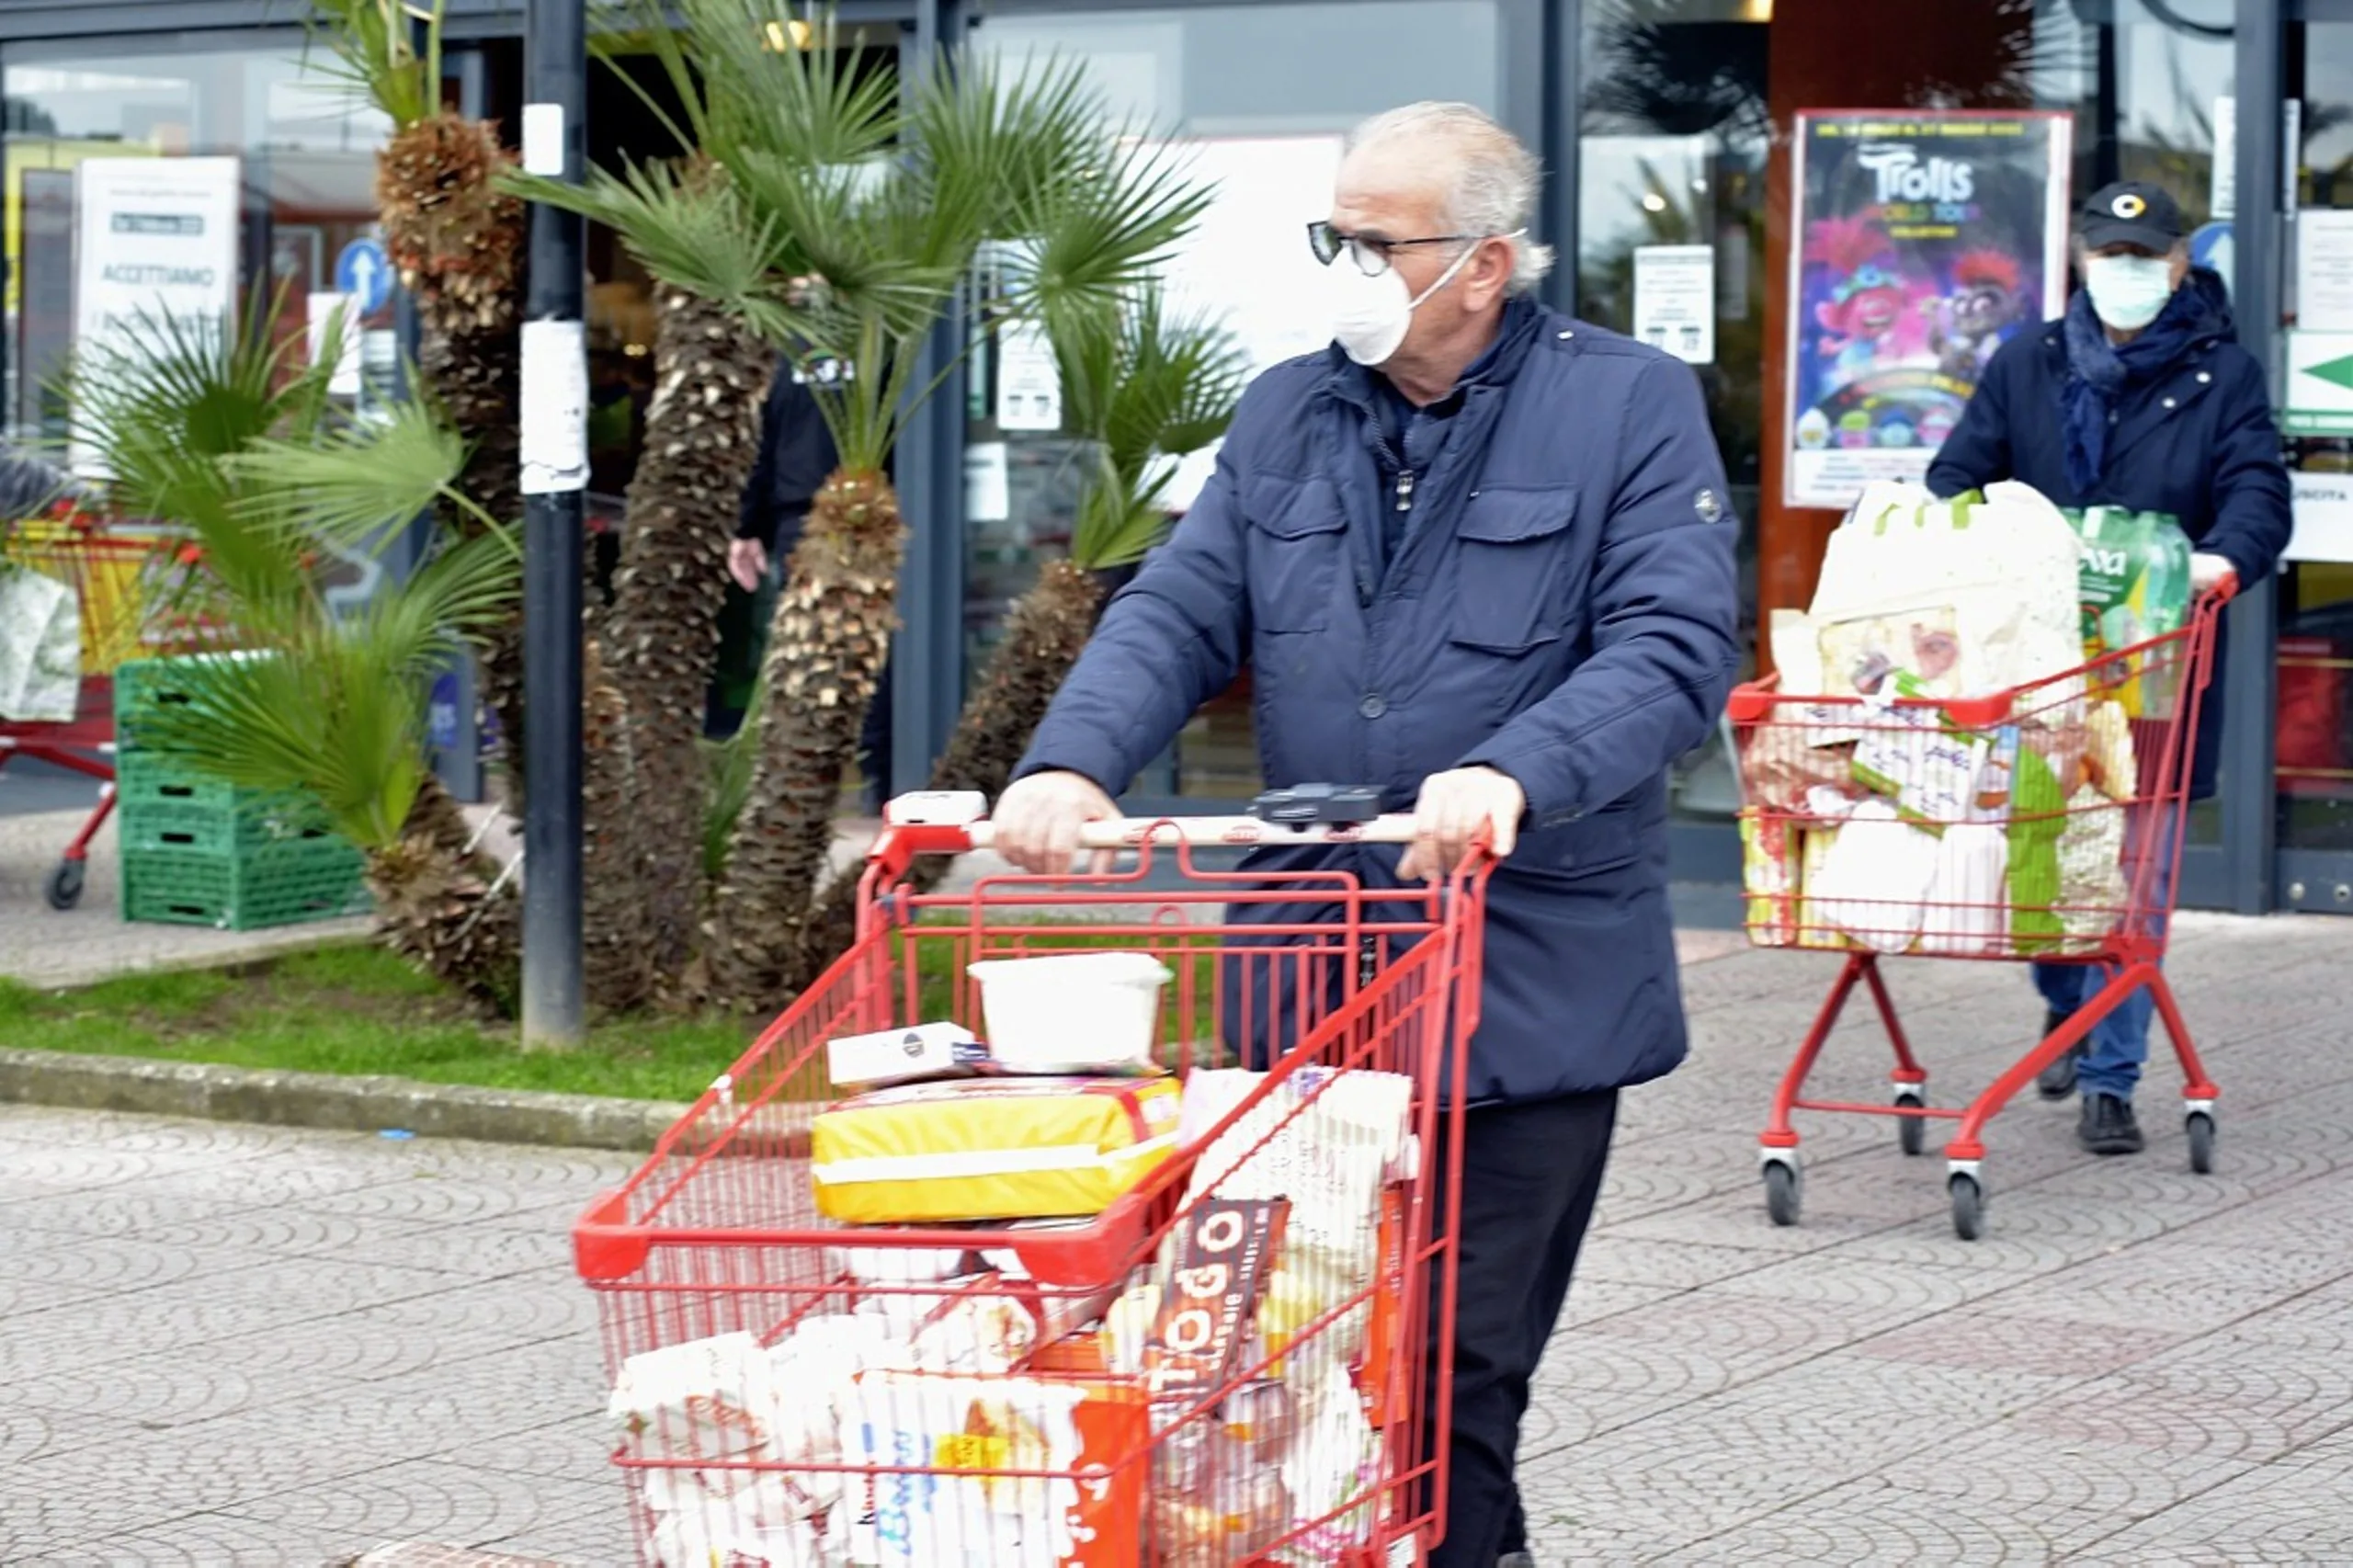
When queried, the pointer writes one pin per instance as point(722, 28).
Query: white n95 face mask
point(2127, 291)
point(1370, 316)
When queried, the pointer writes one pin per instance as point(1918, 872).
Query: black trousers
point(1530, 1177)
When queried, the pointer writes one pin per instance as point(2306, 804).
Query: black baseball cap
point(2131, 212)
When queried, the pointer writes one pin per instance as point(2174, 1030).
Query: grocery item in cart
point(1966, 917)
point(1223, 1250)
point(1874, 877)
point(1066, 1013)
point(967, 1432)
point(40, 646)
point(2111, 761)
point(1967, 597)
point(888, 1058)
point(1768, 871)
point(990, 1148)
point(2092, 889)
point(2134, 583)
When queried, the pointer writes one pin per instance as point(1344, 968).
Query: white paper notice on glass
point(555, 407)
point(1675, 300)
point(2323, 512)
point(156, 244)
point(321, 309)
point(988, 483)
point(2324, 270)
point(1028, 385)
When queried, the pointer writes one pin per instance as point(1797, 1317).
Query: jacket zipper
point(1405, 489)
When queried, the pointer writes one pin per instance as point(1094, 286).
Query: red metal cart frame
point(1787, 740)
point(718, 1233)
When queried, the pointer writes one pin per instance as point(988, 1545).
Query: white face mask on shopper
point(1370, 316)
point(2127, 291)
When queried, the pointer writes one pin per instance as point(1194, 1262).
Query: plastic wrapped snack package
point(722, 1535)
point(1872, 884)
point(963, 1432)
point(1770, 871)
point(990, 1149)
point(712, 1399)
point(1913, 757)
point(2092, 887)
point(2110, 759)
point(1335, 1459)
point(1965, 916)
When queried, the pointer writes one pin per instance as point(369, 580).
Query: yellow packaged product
point(990, 1149)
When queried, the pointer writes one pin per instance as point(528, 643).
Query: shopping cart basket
point(109, 573)
point(2039, 824)
point(1267, 1397)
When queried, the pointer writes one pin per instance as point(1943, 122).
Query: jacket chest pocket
point(1512, 568)
point(1297, 543)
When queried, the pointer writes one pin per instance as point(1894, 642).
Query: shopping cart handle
point(940, 822)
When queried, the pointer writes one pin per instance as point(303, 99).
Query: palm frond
point(376, 56)
point(1152, 390)
point(728, 766)
point(348, 481)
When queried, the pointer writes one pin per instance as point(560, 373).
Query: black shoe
point(2108, 1126)
point(2057, 1081)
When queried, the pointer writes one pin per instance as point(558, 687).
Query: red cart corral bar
point(2039, 824)
point(1228, 1365)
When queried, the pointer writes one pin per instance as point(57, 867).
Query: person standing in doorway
point(1476, 554)
point(797, 456)
point(2139, 397)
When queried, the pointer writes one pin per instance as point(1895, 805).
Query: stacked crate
point(199, 852)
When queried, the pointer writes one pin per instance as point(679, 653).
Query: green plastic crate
point(164, 805)
point(144, 687)
point(277, 884)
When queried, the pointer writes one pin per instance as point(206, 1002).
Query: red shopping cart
point(2039, 824)
point(109, 573)
point(1259, 1390)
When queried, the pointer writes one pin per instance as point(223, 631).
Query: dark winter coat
point(1562, 607)
point(2197, 442)
point(796, 459)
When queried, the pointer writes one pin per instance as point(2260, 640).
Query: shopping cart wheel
point(63, 888)
point(2201, 1128)
point(1911, 1131)
point(1968, 1205)
point(1781, 1193)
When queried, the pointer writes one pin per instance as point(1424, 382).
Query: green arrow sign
point(2336, 373)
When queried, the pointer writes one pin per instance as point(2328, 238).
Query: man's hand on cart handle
point(1457, 811)
point(2210, 573)
point(1039, 821)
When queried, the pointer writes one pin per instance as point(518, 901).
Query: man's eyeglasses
point(1371, 256)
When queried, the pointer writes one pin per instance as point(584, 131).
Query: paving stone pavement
point(254, 1345)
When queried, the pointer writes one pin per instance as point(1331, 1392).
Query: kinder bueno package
point(990, 1149)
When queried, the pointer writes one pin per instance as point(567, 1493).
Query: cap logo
point(2128, 206)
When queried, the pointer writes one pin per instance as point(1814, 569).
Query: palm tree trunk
point(443, 905)
point(661, 633)
point(1044, 637)
point(825, 651)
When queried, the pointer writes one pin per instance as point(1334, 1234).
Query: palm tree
point(886, 203)
point(719, 272)
point(228, 433)
point(1141, 389)
point(456, 236)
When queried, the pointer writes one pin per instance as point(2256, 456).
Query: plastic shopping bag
point(1874, 878)
point(40, 647)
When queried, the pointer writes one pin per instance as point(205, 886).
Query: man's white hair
point(1490, 181)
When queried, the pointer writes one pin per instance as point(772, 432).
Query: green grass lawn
point(356, 1009)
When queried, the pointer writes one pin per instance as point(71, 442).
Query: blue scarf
point(2100, 371)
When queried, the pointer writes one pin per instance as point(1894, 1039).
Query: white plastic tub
point(1071, 1012)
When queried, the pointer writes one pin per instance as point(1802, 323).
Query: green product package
point(2038, 818)
point(2134, 579)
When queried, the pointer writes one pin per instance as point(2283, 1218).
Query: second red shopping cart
point(2039, 825)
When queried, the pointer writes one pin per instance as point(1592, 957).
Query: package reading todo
point(1224, 1250)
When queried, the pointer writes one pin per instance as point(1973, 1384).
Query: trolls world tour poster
point(1924, 242)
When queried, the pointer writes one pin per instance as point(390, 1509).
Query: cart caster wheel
point(1911, 1131)
point(64, 888)
point(1968, 1205)
point(1781, 1193)
point(2201, 1128)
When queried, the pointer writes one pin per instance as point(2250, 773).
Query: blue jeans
point(2118, 1044)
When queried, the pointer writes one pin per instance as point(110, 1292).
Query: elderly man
point(2139, 397)
point(1477, 554)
